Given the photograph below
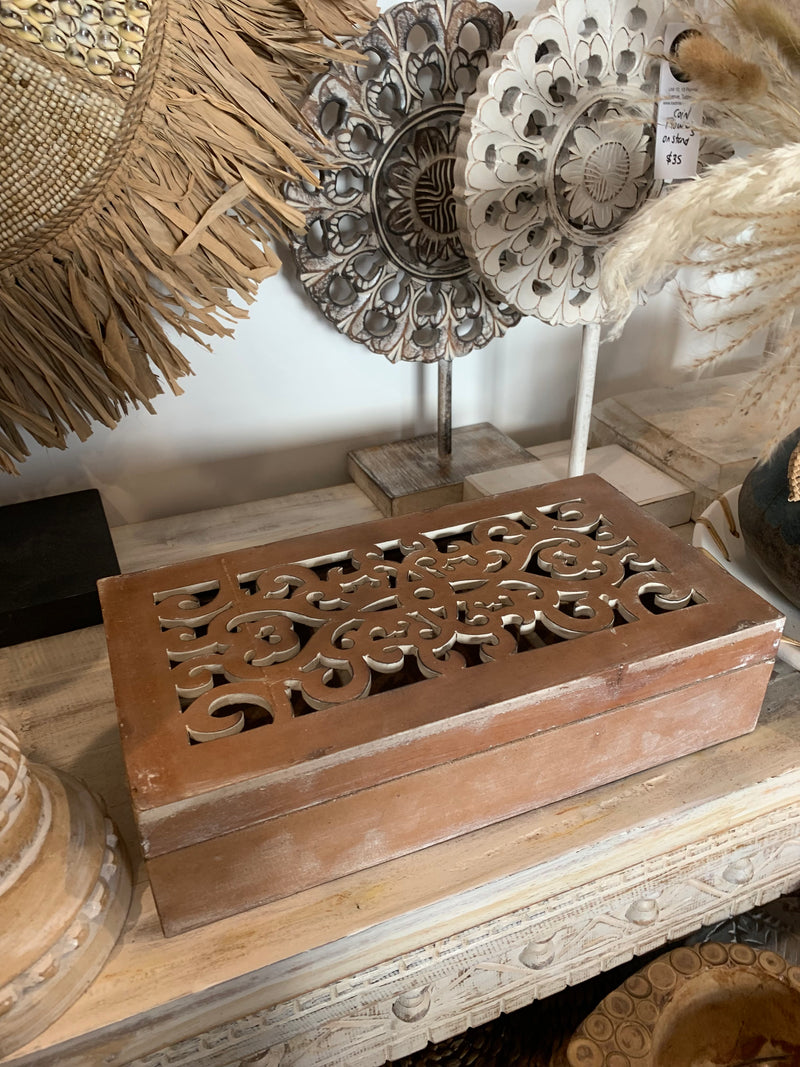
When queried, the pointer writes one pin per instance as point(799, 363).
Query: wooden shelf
point(484, 923)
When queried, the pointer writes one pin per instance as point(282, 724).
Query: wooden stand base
point(655, 492)
point(407, 476)
point(688, 431)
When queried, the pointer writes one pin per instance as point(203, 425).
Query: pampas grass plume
point(773, 22)
point(756, 196)
point(703, 59)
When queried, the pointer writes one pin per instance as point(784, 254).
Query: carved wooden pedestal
point(407, 476)
point(298, 711)
point(687, 431)
point(64, 893)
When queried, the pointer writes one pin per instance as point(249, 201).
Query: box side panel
point(490, 708)
point(273, 859)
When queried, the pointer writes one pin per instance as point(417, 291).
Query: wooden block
point(659, 495)
point(690, 431)
point(407, 476)
point(550, 448)
point(52, 551)
point(305, 709)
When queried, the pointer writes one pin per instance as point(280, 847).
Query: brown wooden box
point(297, 711)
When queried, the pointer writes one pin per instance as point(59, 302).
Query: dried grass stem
point(703, 59)
point(772, 22)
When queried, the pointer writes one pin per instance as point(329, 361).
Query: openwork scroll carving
point(304, 636)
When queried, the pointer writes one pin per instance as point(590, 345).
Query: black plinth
point(52, 552)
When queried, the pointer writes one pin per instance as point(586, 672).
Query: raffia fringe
point(182, 226)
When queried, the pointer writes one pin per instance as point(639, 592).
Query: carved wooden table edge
point(390, 985)
point(456, 979)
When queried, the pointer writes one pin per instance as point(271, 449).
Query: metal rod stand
point(444, 425)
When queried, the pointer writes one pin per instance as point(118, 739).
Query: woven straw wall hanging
point(143, 144)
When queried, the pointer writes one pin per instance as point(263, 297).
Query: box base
point(294, 852)
point(407, 476)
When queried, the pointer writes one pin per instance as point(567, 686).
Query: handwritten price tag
point(677, 140)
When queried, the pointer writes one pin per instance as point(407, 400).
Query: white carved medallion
point(554, 154)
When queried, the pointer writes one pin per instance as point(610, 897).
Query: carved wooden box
point(297, 711)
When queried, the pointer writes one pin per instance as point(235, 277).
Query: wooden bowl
point(711, 1005)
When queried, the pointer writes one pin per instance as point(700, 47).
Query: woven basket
point(143, 147)
point(794, 475)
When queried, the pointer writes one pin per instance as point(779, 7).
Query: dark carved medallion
point(383, 256)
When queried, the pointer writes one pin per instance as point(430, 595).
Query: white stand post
point(583, 399)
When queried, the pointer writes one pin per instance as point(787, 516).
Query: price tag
point(679, 113)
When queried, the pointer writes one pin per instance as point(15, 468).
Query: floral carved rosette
point(383, 256)
point(554, 155)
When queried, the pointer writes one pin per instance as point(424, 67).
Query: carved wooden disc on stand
point(383, 257)
point(65, 888)
point(554, 155)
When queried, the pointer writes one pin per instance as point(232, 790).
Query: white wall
point(274, 410)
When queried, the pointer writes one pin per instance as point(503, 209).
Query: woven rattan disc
point(44, 178)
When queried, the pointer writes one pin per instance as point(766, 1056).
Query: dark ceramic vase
point(770, 522)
